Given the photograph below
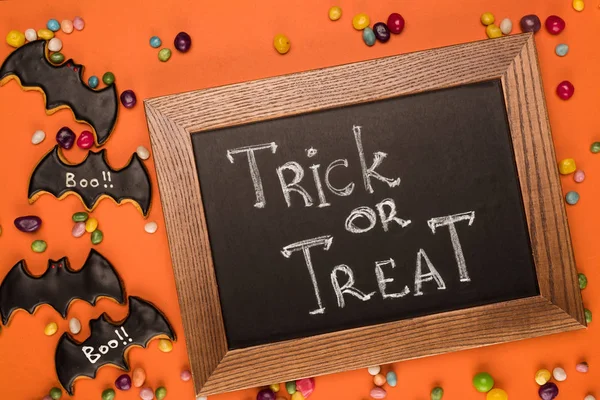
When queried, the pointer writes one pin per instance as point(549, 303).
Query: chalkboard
point(415, 200)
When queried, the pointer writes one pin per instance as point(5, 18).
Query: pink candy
point(579, 176)
point(85, 140)
point(185, 375)
point(565, 90)
point(78, 229)
point(555, 24)
point(146, 394)
point(582, 367)
point(305, 386)
point(378, 393)
point(78, 23)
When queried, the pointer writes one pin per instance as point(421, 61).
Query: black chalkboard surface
point(364, 214)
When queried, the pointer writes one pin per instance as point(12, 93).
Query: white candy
point(589, 397)
point(206, 398)
point(151, 227)
point(38, 137)
point(143, 152)
point(55, 44)
point(74, 326)
point(559, 374)
point(506, 26)
point(374, 370)
point(30, 35)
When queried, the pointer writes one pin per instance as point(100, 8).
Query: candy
point(578, 5)
point(589, 397)
point(55, 44)
point(142, 152)
point(572, 197)
point(274, 387)
point(28, 223)
point(53, 25)
point(395, 23)
point(379, 380)
point(496, 394)
point(93, 81)
point(161, 393)
point(164, 55)
point(45, 34)
point(138, 377)
point(85, 140)
point(391, 378)
point(265, 394)
point(15, 38)
point(542, 376)
point(74, 326)
point(297, 396)
point(39, 246)
point(579, 176)
point(57, 58)
point(47, 397)
point(108, 78)
point(506, 26)
point(65, 138)
point(66, 26)
point(91, 225)
point(50, 329)
point(80, 216)
point(97, 236)
point(530, 23)
point(78, 229)
point(561, 50)
point(335, 13)
point(281, 43)
point(128, 99)
point(55, 393)
point(582, 367)
point(595, 147)
point(437, 393)
point(38, 137)
point(555, 24)
point(582, 281)
point(374, 370)
point(78, 23)
point(382, 33)
point(146, 394)
point(378, 393)
point(492, 31)
point(30, 35)
point(548, 391)
point(567, 166)
point(123, 382)
point(487, 18)
point(185, 375)
point(483, 382)
point(565, 90)
point(360, 21)
point(290, 387)
point(182, 42)
point(165, 345)
point(588, 316)
point(108, 394)
point(155, 42)
point(559, 374)
point(305, 386)
point(369, 36)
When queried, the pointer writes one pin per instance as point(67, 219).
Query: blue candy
point(572, 198)
point(155, 42)
point(561, 50)
point(391, 378)
point(53, 25)
point(93, 82)
point(369, 36)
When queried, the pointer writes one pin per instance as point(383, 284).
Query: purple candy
point(548, 391)
point(65, 138)
point(29, 223)
point(123, 382)
point(183, 42)
point(531, 23)
point(265, 394)
point(128, 99)
point(382, 32)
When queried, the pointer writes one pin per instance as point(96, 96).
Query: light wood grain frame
point(172, 119)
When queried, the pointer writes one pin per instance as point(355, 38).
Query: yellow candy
point(567, 166)
point(542, 376)
point(50, 329)
point(274, 387)
point(493, 31)
point(15, 39)
point(496, 394)
point(335, 13)
point(45, 34)
point(281, 43)
point(91, 224)
point(578, 5)
point(487, 18)
point(360, 21)
point(165, 345)
point(297, 396)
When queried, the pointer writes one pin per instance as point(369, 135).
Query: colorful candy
point(565, 90)
point(165, 345)
point(155, 42)
point(265, 394)
point(57, 58)
point(108, 78)
point(93, 81)
point(66, 26)
point(38, 137)
point(97, 236)
point(281, 43)
point(567, 166)
point(530, 23)
point(128, 99)
point(506, 26)
point(151, 227)
point(595, 147)
point(559, 374)
point(487, 18)
point(274, 387)
point(15, 38)
point(78, 23)
point(85, 140)
point(50, 329)
point(492, 31)
point(374, 370)
point(28, 223)
point(391, 378)
point(542, 376)
point(297, 396)
point(335, 13)
point(396, 23)
point(579, 176)
point(548, 391)
point(382, 33)
point(582, 367)
point(39, 246)
point(496, 394)
point(161, 393)
point(185, 375)
point(555, 24)
point(379, 380)
point(53, 25)
point(80, 216)
point(588, 316)
point(360, 21)
point(437, 393)
point(164, 55)
point(45, 34)
point(55, 393)
point(578, 5)
point(589, 397)
point(582, 281)
point(182, 42)
point(483, 382)
point(305, 386)
point(138, 377)
point(74, 326)
point(143, 152)
point(561, 50)
point(146, 394)
point(55, 44)
point(30, 35)
point(108, 394)
point(78, 229)
point(91, 224)
point(123, 382)
point(378, 393)
point(572, 197)
point(65, 137)
point(369, 36)
point(290, 387)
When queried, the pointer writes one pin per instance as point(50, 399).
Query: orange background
point(232, 43)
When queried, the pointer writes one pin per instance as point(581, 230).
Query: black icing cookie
point(59, 286)
point(92, 180)
point(109, 342)
point(63, 87)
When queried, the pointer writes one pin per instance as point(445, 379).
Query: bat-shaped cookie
point(62, 87)
point(59, 286)
point(92, 180)
point(109, 342)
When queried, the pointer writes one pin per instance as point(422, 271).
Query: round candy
point(85, 140)
point(74, 326)
point(487, 18)
point(155, 42)
point(165, 345)
point(50, 329)
point(595, 147)
point(567, 166)
point(47, 397)
point(565, 90)
point(335, 13)
point(91, 225)
point(382, 33)
point(379, 380)
point(151, 227)
point(582, 281)
point(579, 176)
point(146, 394)
point(437, 393)
point(128, 99)
point(143, 152)
point(30, 35)
point(108, 394)
point(78, 23)
point(561, 49)
point(542, 376)
point(374, 370)
point(483, 382)
point(57, 58)
point(93, 81)
point(589, 397)
point(108, 78)
point(138, 377)
point(78, 229)
point(80, 216)
point(161, 393)
point(555, 24)
point(39, 246)
point(391, 378)
point(492, 31)
point(29, 223)
point(38, 137)
point(378, 393)
point(290, 387)
point(123, 382)
point(496, 394)
point(45, 34)
point(53, 25)
point(530, 23)
point(55, 393)
point(66, 26)
point(265, 394)
point(506, 26)
point(578, 5)
point(281, 43)
point(548, 391)
point(572, 198)
point(164, 55)
point(185, 375)
point(395, 23)
point(55, 44)
point(297, 396)
point(369, 36)
point(183, 42)
point(274, 387)
point(582, 367)
point(65, 138)
point(360, 21)
point(588, 316)
point(15, 38)
point(97, 236)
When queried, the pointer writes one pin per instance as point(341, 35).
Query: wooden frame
point(172, 119)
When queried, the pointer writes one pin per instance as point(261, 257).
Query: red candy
point(305, 386)
point(85, 140)
point(565, 90)
point(555, 24)
point(395, 23)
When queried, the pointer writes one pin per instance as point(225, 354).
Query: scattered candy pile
point(31, 224)
point(299, 390)
point(182, 43)
point(378, 392)
point(381, 31)
point(529, 23)
point(85, 223)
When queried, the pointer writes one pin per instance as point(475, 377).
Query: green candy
point(80, 216)
point(595, 148)
point(97, 236)
point(161, 393)
point(588, 316)
point(164, 55)
point(582, 281)
point(108, 394)
point(57, 58)
point(39, 246)
point(437, 393)
point(290, 387)
point(108, 78)
point(483, 382)
point(55, 393)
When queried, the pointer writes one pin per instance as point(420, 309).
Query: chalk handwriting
point(103, 349)
point(293, 186)
point(421, 277)
point(370, 172)
point(382, 281)
point(72, 181)
point(346, 190)
point(346, 288)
